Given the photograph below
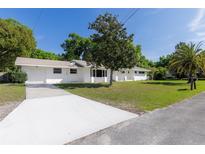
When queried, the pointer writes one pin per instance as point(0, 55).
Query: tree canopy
point(77, 47)
point(164, 61)
point(41, 54)
point(15, 40)
point(186, 59)
point(113, 47)
point(141, 60)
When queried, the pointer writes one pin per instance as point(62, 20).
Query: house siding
point(41, 75)
point(45, 75)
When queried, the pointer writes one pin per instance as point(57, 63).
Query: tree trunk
point(191, 83)
point(194, 84)
point(111, 74)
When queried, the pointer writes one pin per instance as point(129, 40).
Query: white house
point(52, 71)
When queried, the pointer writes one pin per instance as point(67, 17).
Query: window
point(73, 71)
point(57, 70)
point(123, 72)
point(99, 73)
point(135, 72)
point(141, 72)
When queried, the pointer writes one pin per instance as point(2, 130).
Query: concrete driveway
point(52, 116)
point(43, 90)
point(182, 123)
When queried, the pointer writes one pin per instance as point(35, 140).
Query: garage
point(35, 75)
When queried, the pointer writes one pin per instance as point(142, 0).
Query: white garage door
point(36, 75)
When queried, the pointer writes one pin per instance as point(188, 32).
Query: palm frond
point(186, 58)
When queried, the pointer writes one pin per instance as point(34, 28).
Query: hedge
point(16, 77)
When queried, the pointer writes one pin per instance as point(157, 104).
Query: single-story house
point(53, 71)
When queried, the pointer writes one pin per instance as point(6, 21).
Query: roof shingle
point(21, 61)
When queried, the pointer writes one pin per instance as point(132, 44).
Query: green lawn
point(136, 95)
point(11, 93)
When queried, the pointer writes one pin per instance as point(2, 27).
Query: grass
point(136, 95)
point(11, 93)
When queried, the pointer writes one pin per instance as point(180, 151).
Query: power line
point(130, 11)
point(38, 19)
point(131, 16)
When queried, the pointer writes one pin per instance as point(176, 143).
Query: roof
point(140, 69)
point(82, 63)
point(20, 61)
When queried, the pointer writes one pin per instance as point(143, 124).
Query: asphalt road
point(182, 123)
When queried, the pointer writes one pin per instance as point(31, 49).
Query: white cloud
point(197, 26)
point(198, 22)
point(200, 33)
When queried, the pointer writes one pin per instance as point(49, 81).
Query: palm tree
point(202, 62)
point(186, 60)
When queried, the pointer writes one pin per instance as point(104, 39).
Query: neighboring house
point(53, 71)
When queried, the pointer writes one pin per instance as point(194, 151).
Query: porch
point(98, 75)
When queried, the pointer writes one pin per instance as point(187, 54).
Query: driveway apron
point(53, 116)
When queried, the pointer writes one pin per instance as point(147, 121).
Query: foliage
point(151, 73)
point(77, 47)
point(16, 76)
point(41, 54)
point(113, 47)
point(141, 59)
point(160, 73)
point(15, 40)
point(159, 69)
point(202, 62)
point(164, 61)
point(186, 59)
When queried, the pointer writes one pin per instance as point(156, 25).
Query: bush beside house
point(2, 76)
point(17, 77)
point(13, 76)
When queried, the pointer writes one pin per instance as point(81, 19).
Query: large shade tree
point(141, 60)
point(186, 59)
point(15, 40)
point(113, 47)
point(77, 47)
point(163, 61)
point(41, 54)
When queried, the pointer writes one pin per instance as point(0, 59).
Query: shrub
point(16, 76)
point(160, 73)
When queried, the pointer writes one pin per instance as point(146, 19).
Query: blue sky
point(157, 30)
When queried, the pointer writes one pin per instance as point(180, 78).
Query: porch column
point(116, 78)
point(125, 77)
point(91, 76)
point(105, 79)
point(92, 79)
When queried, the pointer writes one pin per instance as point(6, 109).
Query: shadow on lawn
point(185, 89)
point(12, 84)
point(81, 85)
point(166, 83)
